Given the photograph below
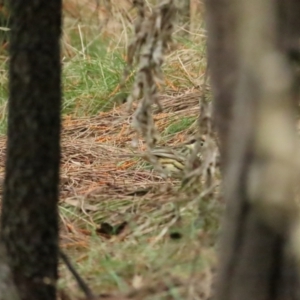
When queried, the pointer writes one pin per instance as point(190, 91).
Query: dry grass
point(118, 217)
point(130, 233)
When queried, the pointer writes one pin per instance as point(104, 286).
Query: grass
point(90, 83)
point(148, 254)
point(180, 125)
point(143, 261)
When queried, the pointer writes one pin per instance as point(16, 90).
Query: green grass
point(90, 85)
point(91, 79)
point(148, 251)
point(179, 126)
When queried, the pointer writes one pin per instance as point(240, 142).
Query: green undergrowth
point(156, 248)
point(91, 77)
point(91, 80)
point(178, 126)
point(149, 255)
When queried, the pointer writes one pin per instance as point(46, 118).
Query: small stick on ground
point(81, 283)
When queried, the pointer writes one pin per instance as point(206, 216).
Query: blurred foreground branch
point(259, 152)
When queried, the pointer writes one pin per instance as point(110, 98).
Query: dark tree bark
point(255, 259)
point(8, 289)
point(29, 209)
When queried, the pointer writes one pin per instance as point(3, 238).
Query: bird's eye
point(192, 141)
point(202, 140)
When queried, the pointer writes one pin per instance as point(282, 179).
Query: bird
point(171, 161)
point(175, 162)
point(189, 146)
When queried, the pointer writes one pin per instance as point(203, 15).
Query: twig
point(81, 283)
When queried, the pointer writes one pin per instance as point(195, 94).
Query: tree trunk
point(8, 289)
point(29, 209)
point(255, 259)
point(222, 63)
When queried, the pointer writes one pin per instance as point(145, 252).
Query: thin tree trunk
point(255, 259)
point(223, 65)
point(29, 209)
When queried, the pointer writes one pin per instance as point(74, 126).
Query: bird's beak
point(190, 146)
